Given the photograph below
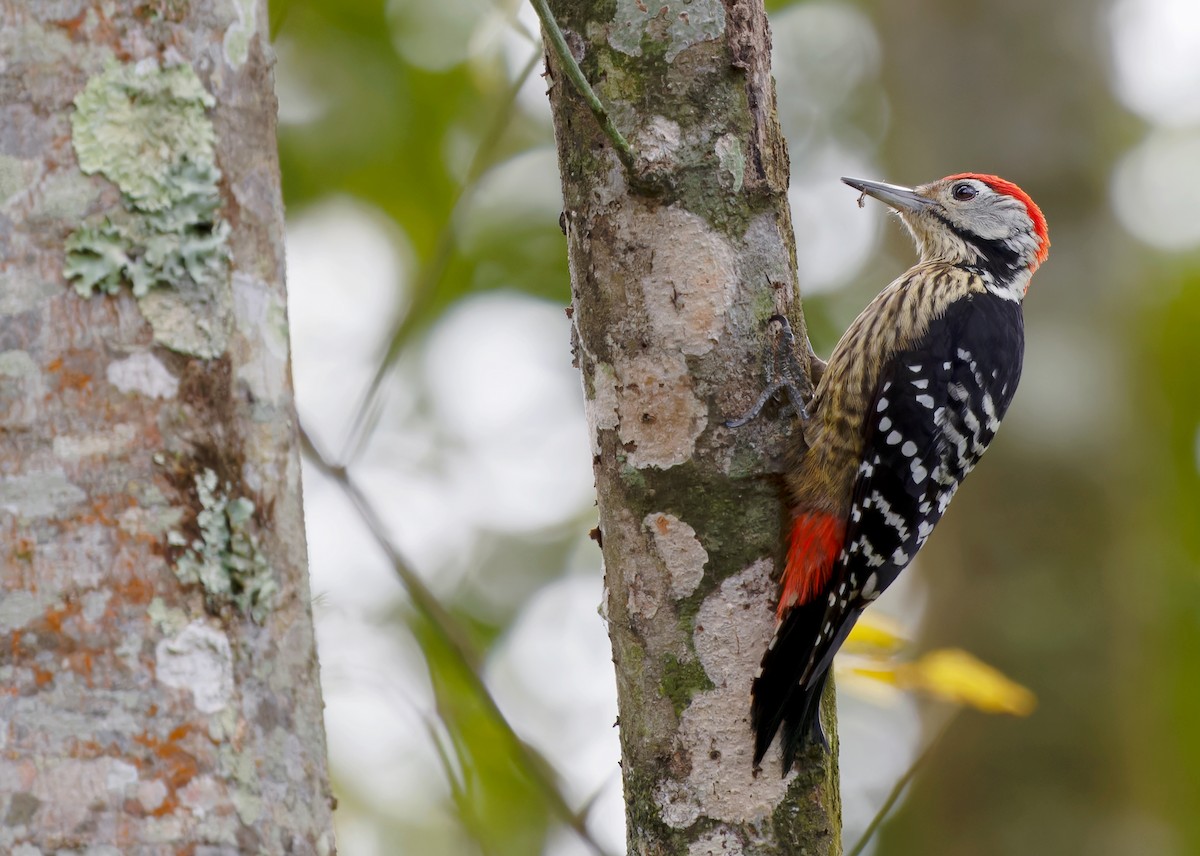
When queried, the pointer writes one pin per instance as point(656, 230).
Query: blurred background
point(427, 279)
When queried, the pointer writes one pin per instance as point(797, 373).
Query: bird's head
point(971, 219)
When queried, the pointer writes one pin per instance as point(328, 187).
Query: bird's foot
point(783, 371)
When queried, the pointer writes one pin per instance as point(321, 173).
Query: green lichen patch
point(135, 124)
point(678, 23)
point(169, 621)
point(680, 681)
point(225, 560)
point(147, 130)
point(240, 33)
point(157, 248)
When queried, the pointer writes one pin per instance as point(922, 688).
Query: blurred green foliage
point(1164, 548)
point(402, 138)
point(413, 143)
point(501, 808)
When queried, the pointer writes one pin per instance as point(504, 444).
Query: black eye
point(964, 192)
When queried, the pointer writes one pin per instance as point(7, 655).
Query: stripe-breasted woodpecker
point(908, 402)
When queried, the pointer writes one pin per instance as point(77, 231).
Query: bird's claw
point(783, 375)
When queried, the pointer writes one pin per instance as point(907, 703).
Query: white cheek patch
point(993, 217)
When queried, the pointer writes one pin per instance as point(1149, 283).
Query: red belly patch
point(813, 547)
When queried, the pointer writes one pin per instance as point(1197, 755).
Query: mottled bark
point(158, 675)
point(675, 270)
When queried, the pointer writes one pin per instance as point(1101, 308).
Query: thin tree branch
point(451, 633)
point(575, 73)
point(898, 788)
point(430, 275)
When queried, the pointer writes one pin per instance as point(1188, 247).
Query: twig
point(898, 789)
point(429, 277)
point(575, 73)
point(457, 642)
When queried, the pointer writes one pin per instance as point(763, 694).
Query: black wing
point(937, 408)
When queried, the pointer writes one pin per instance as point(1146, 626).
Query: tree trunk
point(159, 679)
point(675, 267)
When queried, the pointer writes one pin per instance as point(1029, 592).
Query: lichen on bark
point(225, 559)
point(146, 128)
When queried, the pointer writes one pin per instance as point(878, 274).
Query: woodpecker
point(908, 402)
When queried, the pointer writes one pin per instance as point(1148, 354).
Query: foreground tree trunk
point(159, 679)
point(676, 263)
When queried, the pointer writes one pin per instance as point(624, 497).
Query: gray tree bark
point(158, 680)
point(675, 267)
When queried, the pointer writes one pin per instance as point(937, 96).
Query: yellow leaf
point(871, 678)
point(956, 676)
point(876, 632)
point(878, 670)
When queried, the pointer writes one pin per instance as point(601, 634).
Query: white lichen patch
point(73, 790)
point(42, 494)
point(75, 447)
point(203, 794)
point(680, 551)
point(168, 620)
point(677, 806)
point(660, 414)
point(147, 249)
point(261, 317)
point(19, 607)
point(120, 776)
point(733, 627)
point(150, 795)
point(610, 184)
point(237, 39)
point(680, 23)
point(732, 160)
point(645, 583)
point(248, 805)
point(657, 142)
point(225, 560)
point(95, 604)
point(66, 195)
point(223, 726)
point(187, 320)
point(601, 408)
point(15, 176)
point(144, 374)
point(146, 128)
point(154, 521)
point(717, 842)
point(692, 280)
point(200, 660)
point(21, 389)
point(21, 288)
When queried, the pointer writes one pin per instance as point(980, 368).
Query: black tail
point(795, 669)
point(783, 694)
